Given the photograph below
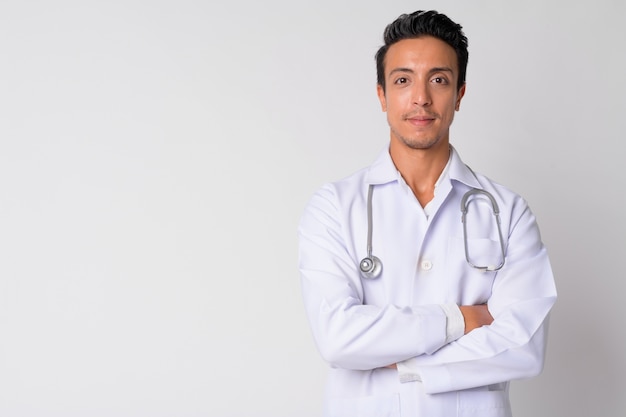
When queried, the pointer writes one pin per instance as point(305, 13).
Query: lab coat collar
point(461, 172)
point(383, 170)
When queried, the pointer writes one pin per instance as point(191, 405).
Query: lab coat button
point(426, 265)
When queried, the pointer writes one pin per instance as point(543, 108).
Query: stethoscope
point(371, 266)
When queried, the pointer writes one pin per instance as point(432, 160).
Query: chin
point(419, 144)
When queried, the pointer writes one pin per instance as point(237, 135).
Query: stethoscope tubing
point(371, 266)
point(496, 212)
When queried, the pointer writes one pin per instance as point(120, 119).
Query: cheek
point(451, 107)
point(398, 102)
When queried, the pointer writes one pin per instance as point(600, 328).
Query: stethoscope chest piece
point(371, 267)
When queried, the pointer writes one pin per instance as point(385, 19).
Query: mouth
point(420, 120)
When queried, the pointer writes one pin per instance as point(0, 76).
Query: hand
point(475, 316)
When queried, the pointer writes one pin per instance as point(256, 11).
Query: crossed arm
point(473, 316)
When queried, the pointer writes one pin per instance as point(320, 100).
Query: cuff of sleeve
point(407, 371)
point(455, 324)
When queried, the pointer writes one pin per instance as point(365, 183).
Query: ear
point(460, 95)
point(381, 97)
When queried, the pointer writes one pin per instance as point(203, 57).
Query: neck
point(420, 168)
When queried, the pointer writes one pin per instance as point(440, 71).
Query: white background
point(155, 157)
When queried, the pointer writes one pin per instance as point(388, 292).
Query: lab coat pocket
point(484, 404)
point(482, 253)
point(373, 406)
point(469, 285)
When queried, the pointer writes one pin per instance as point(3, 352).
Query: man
point(457, 309)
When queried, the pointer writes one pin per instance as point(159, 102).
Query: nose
point(421, 94)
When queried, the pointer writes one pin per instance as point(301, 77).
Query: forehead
point(425, 52)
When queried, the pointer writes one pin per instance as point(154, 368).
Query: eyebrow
point(430, 71)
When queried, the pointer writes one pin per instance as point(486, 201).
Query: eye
point(401, 80)
point(440, 80)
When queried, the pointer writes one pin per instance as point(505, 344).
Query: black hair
point(424, 23)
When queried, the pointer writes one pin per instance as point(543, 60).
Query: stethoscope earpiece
point(371, 267)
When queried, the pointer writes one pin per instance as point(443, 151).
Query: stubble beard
point(415, 142)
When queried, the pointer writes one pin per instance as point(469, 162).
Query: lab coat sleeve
point(348, 333)
point(514, 345)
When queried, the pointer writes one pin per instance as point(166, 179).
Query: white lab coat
point(362, 325)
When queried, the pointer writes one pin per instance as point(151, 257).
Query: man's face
point(421, 91)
